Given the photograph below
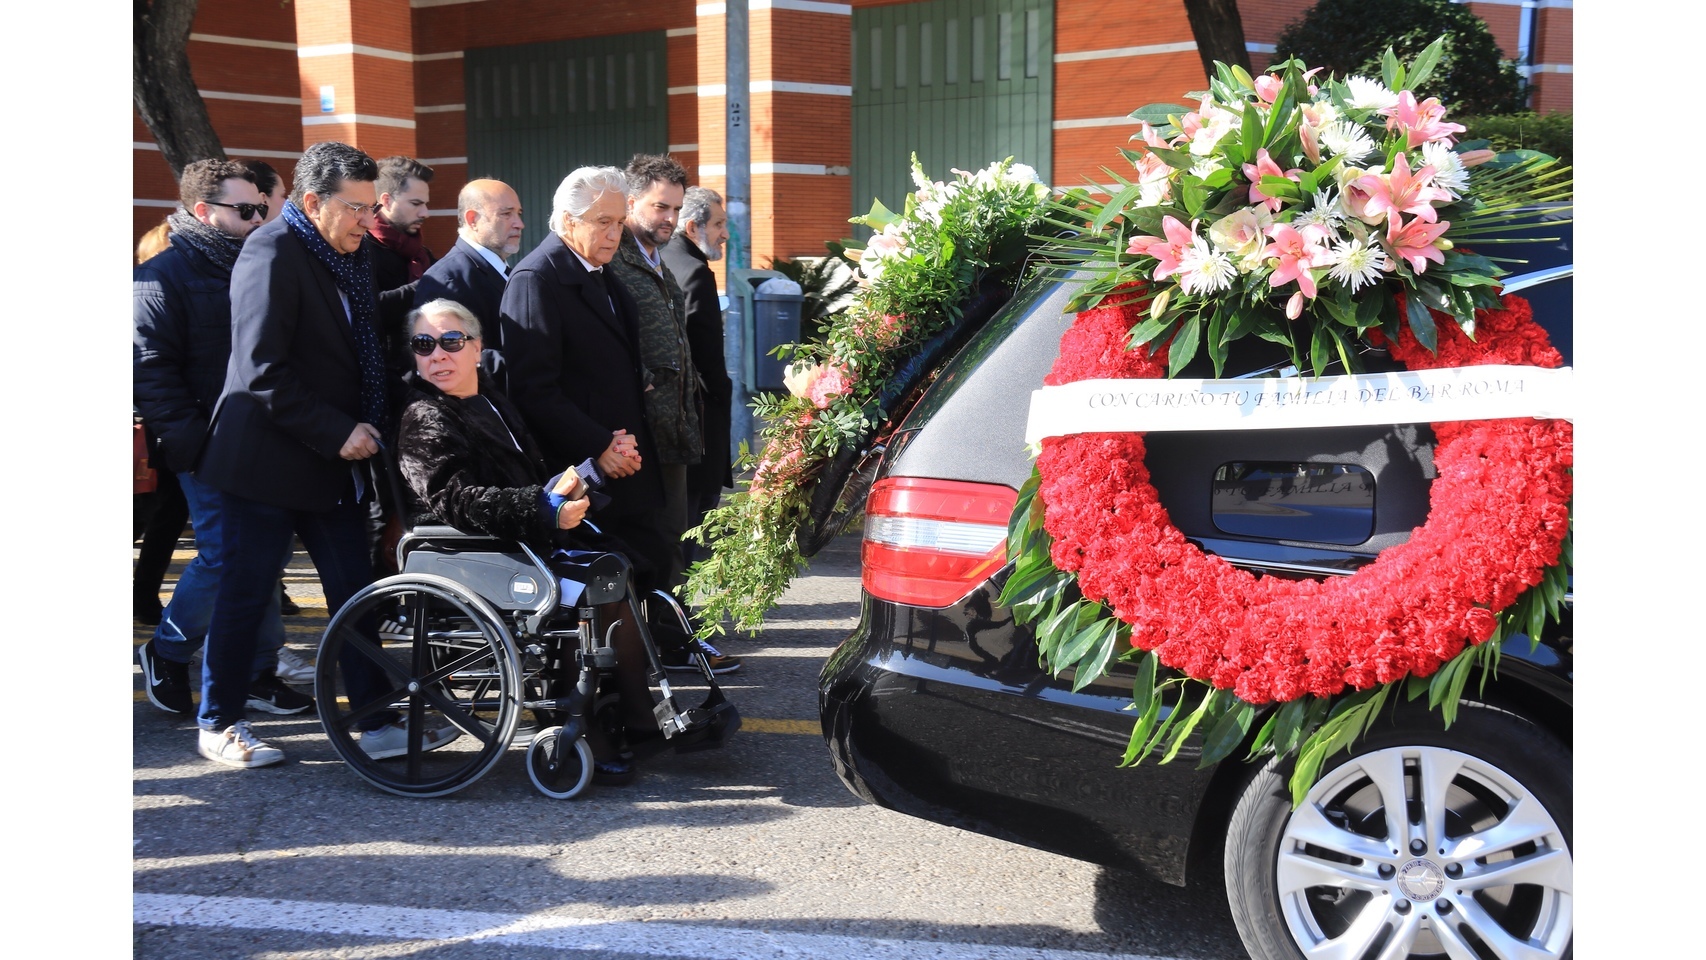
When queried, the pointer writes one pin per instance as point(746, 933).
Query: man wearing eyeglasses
point(181, 347)
point(302, 411)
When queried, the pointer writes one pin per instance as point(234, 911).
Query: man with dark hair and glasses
point(301, 416)
point(271, 184)
point(181, 346)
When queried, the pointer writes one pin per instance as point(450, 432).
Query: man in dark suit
point(300, 415)
point(571, 342)
point(475, 270)
point(700, 232)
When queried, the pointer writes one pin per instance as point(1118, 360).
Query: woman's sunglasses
point(452, 342)
point(246, 211)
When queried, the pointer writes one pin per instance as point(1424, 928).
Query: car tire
point(1504, 815)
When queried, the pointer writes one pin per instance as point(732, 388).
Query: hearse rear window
point(1320, 502)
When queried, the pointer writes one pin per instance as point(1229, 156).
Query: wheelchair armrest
point(439, 532)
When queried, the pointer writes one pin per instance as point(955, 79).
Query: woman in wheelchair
point(470, 463)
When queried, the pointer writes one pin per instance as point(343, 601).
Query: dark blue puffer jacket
point(180, 348)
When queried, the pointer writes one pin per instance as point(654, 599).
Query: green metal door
point(539, 110)
point(960, 82)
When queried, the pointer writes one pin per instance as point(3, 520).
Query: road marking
point(533, 931)
point(761, 725)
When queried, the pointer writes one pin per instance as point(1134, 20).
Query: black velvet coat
point(463, 470)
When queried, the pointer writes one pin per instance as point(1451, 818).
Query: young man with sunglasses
point(301, 415)
point(181, 347)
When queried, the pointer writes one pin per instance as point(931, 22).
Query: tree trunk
point(1219, 32)
point(163, 87)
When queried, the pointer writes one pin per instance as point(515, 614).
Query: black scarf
point(354, 276)
point(211, 242)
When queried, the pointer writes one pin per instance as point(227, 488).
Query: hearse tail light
point(930, 542)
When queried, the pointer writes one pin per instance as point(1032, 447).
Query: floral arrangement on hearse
point(951, 240)
point(1325, 215)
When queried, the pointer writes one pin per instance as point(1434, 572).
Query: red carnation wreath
point(1499, 512)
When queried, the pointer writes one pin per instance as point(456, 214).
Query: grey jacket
point(675, 403)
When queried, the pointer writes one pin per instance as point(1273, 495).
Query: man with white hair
point(572, 345)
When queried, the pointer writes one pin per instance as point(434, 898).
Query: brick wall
point(1111, 56)
point(243, 59)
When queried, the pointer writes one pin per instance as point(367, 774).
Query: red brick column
point(364, 51)
point(802, 121)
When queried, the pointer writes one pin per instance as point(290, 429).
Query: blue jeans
point(183, 625)
point(256, 535)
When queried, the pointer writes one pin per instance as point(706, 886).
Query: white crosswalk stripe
point(675, 940)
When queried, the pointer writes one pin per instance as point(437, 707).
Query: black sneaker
point(270, 695)
point(681, 660)
point(166, 683)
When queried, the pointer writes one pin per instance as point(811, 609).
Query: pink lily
point(1297, 251)
point(1266, 167)
point(1400, 192)
point(1268, 88)
point(1168, 251)
point(1150, 137)
point(1422, 122)
point(1415, 241)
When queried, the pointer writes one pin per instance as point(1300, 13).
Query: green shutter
point(945, 80)
point(539, 110)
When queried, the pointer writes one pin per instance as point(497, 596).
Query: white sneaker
point(292, 668)
point(237, 746)
point(393, 741)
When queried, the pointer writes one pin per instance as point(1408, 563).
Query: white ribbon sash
point(1491, 392)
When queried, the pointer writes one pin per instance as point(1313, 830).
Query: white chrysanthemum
point(1022, 173)
point(1343, 138)
point(1449, 171)
point(1370, 94)
point(1357, 264)
point(1202, 168)
point(1325, 213)
point(1202, 271)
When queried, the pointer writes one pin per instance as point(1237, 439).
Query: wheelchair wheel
point(451, 669)
point(560, 771)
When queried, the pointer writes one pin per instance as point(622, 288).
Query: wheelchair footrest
point(707, 729)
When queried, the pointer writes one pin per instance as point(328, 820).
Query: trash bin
point(776, 316)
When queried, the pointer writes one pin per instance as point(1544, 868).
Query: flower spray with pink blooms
point(917, 274)
point(1298, 209)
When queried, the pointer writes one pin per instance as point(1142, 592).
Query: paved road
point(755, 850)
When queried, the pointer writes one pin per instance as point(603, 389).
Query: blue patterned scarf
point(354, 277)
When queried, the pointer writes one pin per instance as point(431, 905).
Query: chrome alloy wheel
point(1416, 851)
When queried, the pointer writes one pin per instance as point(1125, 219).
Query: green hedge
point(1548, 133)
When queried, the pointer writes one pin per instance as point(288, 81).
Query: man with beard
point(473, 273)
point(675, 400)
point(181, 347)
point(399, 257)
point(699, 235)
point(656, 186)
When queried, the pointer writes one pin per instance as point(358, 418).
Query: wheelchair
point(476, 630)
